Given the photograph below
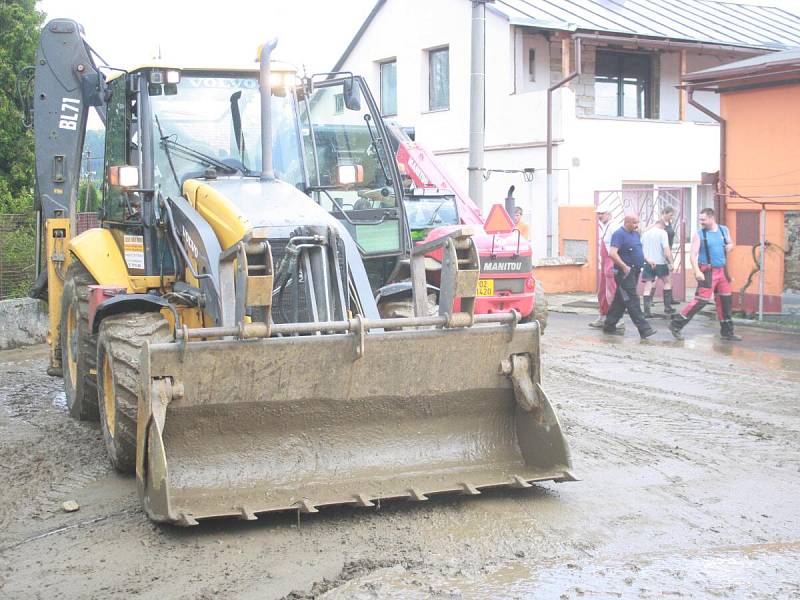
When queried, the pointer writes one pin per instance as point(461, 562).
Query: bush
point(17, 254)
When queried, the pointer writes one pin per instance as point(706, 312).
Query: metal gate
point(647, 203)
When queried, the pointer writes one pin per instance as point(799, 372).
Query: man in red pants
point(606, 284)
point(710, 246)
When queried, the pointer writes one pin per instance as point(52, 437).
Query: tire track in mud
point(718, 429)
point(671, 363)
point(627, 433)
point(47, 457)
point(729, 400)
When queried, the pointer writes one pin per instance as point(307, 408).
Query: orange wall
point(763, 143)
point(740, 261)
point(763, 159)
point(574, 223)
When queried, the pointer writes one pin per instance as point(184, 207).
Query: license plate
point(485, 287)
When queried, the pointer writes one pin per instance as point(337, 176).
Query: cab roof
point(250, 69)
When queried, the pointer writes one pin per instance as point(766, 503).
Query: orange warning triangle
point(498, 221)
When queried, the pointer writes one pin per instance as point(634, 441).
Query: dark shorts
point(650, 273)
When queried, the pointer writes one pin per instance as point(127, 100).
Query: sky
point(311, 33)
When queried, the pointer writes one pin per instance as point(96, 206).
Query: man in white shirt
point(657, 264)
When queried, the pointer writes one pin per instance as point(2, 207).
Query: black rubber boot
point(647, 333)
point(726, 331)
point(677, 323)
point(648, 302)
point(726, 324)
point(615, 331)
point(668, 310)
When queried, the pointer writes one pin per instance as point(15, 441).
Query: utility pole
point(477, 100)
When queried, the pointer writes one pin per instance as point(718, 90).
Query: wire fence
point(17, 254)
point(18, 250)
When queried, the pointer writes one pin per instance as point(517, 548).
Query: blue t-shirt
point(716, 246)
point(629, 244)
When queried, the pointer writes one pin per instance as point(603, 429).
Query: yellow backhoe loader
point(226, 320)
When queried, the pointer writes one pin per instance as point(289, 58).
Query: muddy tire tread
point(83, 405)
point(123, 337)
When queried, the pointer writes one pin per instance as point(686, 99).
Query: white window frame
point(429, 53)
point(381, 65)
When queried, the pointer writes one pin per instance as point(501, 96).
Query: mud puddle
point(60, 400)
point(727, 572)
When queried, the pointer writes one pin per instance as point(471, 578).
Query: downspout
point(719, 202)
point(552, 210)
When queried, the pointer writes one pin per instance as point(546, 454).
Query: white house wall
point(604, 153)
point(591, 153)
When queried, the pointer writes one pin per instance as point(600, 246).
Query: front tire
point(78, 345)
point(119, 346)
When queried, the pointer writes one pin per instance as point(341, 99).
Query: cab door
point(352, 169)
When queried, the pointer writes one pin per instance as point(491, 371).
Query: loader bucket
point(242, 427)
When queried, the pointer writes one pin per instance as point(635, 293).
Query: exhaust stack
point(265, 87)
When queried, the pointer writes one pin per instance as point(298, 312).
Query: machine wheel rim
point(72, 346)
point(109, 402)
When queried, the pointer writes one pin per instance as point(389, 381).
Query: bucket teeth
point(186, 519)
point(306, 506)
point(469, 489)
point(245, 514)
point(246, 441)
point(363, 501)
point(416, 495)
point(519, 482)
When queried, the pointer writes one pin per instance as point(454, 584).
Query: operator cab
point(173, 124)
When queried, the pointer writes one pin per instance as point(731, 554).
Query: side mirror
point(125, 176)
point(349, 174)
point(352, 94)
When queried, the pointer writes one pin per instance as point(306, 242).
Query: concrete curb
point(767, 326)
point(23, 322)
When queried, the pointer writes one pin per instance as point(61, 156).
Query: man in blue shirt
point(626, 252)
point(710, 246)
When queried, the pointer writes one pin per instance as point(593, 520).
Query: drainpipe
point(477, 99)
point(552, 210)
point(719, 203)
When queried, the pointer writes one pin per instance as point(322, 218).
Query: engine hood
point(274, 204)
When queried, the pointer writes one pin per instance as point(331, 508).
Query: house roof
point(375, 9)
point(701, 21)
point(767, 68)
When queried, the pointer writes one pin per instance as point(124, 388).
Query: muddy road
point(688, 455)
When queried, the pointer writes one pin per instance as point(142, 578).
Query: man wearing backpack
point(710, 246)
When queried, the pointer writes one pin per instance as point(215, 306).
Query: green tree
point(88, 201)
point(95, 145)
point(20, 23)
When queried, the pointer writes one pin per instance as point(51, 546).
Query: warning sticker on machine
point(134, 251)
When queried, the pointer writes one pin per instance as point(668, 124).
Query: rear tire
point(77, 344)
point(119, 346)
point(539, 312)
point(404, 307)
